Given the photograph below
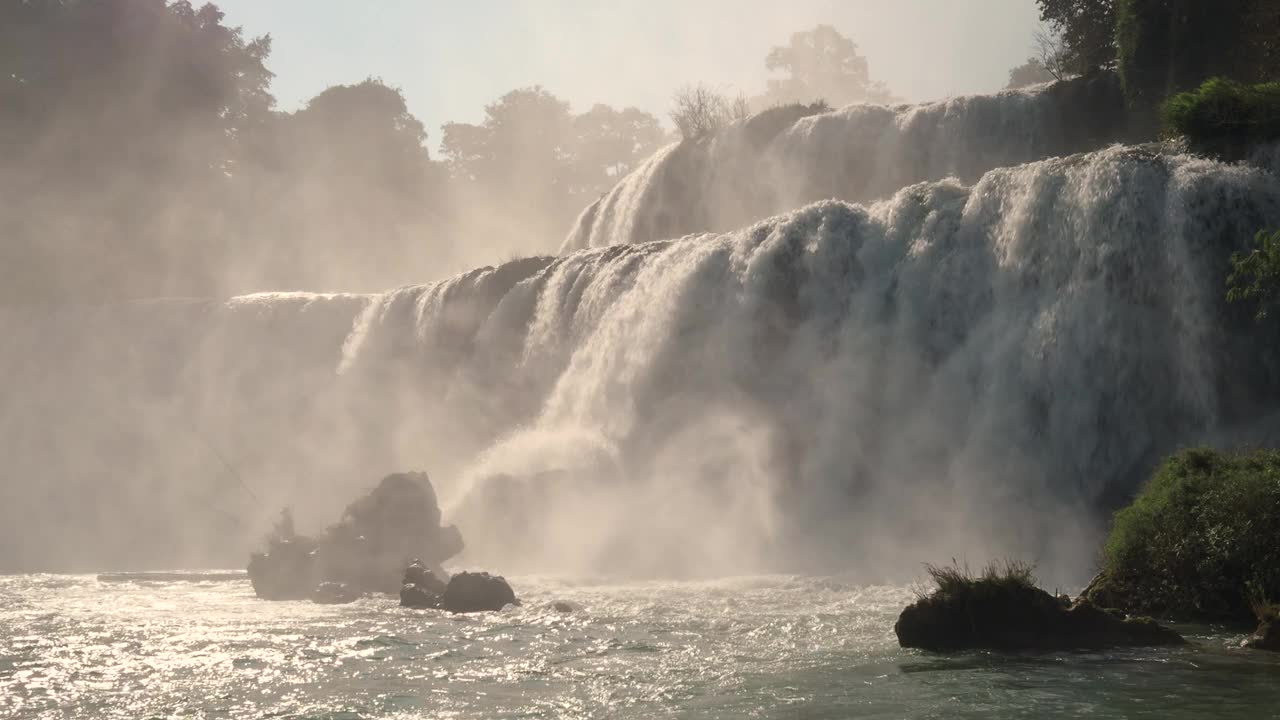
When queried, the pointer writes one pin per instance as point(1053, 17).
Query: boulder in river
point(366, 550)
point(477, 592)
point(421, 588)
point(1008, 612)
point(1267, 636)
point(286, 570)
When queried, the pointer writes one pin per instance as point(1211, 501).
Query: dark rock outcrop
point(1002, 615)
point(366, 550)
point(421, 587)
point(477, 592)
point(286, 570)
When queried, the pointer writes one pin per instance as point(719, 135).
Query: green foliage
point(1167, 46)
point(1086, 29)
point(1255, 275)
point(1199, 540)
point(1223, 116)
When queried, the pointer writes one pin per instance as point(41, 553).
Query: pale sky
point(453, 58)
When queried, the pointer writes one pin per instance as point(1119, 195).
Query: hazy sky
point(452, 58)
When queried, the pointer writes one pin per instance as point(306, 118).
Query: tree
point(1086, 29)
point(1168, 46)
point(699, 111)
point(120, 121)
point(347, 177)
point(1032, 72)
point(610, 144)
point(532, 157)
point(821, 64)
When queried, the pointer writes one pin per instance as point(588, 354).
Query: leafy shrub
point(1199, 542)
point(1255, 276)
point(1223, 116)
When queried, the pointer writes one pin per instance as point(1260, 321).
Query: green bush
point(1223, 116)
point(1255, 275)
point(1199, 542)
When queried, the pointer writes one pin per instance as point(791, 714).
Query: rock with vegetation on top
point(1004, 610)
point(477, 592)
point(365, 551)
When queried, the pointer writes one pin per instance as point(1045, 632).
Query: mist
point(848, 337)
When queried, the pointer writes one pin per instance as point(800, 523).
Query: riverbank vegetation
point(1198, 542)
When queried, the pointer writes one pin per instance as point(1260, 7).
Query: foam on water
point(768, 647)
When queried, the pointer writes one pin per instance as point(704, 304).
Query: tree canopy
point(821, 64)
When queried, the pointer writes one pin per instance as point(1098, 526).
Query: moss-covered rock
point(1004, 610)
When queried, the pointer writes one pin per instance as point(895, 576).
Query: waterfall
point(953, 368)
point(786, 157)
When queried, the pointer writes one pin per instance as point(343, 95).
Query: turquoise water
point(762, 647)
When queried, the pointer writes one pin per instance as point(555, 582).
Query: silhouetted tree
point(1167, 46)
point(698, 111)
point(1032, 72)
point(120, 120)
point(349, 179)
point(610, 144)
point(539, 163)
point(1086, 29)
point(821, 64)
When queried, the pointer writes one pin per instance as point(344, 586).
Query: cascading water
point(789, 156)
point(944, 371)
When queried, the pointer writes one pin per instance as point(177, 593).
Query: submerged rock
point(1266, 637)
point(1005, 614)
point(477, 592)
point(366, 550)
point(333, 593)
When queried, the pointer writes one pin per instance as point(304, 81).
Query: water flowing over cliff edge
point(786, 157)
point(957, 368)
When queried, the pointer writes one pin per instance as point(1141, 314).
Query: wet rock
point(420, 575)
point(366, 550)
point(1266, 637)
point(412, 596)
point(1004, 615)
point(422, 588)
point(562, 607)
point(333, 593)
point(477, 592)
point(287, 570)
